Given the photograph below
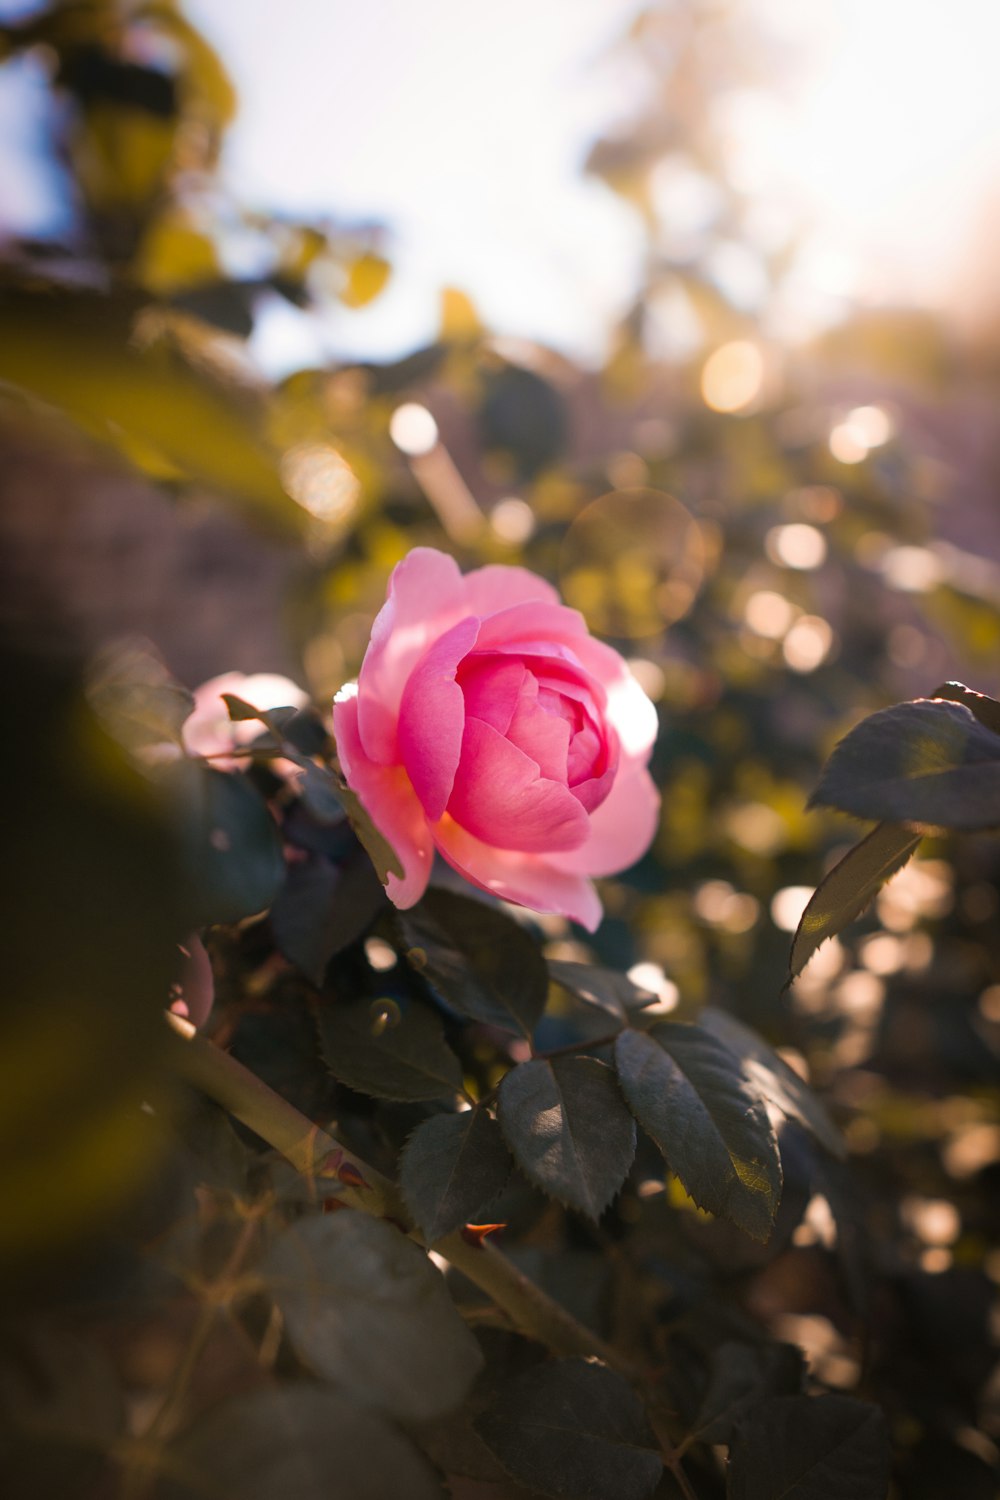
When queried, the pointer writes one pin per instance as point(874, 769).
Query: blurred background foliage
point(781, 535)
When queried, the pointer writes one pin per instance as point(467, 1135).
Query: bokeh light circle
point(632, 563)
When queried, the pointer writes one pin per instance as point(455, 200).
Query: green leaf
point(930, 762)
point(297, 1442)
point(849, 887)
point(688, 1093)
point(319, 790)
point(364, 1307)
point(772, 1078)
point(573, 1430)
point(322, 908)
point(239, 709)
point(120, 369)
point(231, 843)
point(388, 1050)
point(569, 1130)
point(131, 689)
point(480, 961)
point(451, 1166)
point(810, 1448)
point(986, 709)
point(742, 1376)
point(604, 988)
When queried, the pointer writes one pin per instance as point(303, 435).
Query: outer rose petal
point(425, 598)
point(495, 587)
point(432, 718)
point(545, 625)
point(391, 803)
point(501, 797)
point(621, 829)
point(628, 709)
point(525, 879)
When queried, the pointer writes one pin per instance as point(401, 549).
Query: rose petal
point(493, 686)
point(525, 879)
point(424, 600)
point(432, 718)
point(543, 736)
point(545, 625)
point(500, 797)
point(620, 830)
point(628, 708)
point(496, 587)
point(390, 802)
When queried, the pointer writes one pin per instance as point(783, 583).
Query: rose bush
point(488, 724)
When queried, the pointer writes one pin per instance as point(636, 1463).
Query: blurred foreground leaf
point(92, 917)
point(299, 1442)
point(62, 1410)
point(78, 351)
point(364, 1307)
point(141, 703)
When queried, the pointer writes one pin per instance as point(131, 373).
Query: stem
point(307, 1147)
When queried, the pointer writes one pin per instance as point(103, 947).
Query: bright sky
point(463, 127)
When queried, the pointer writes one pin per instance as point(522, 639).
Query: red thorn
point(330, 1165)
point(475, 1234)
point(348, 1174)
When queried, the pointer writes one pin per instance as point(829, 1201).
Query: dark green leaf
point(742, 1376)
point(772, 1078)
point(364, 1307)
point(573, 1431)
point(569, 1130)
point(986, 710)
point(930, 762)
point(687, 1091)
point(451, 1166)
point(296, 1442)
point(133, 692)
point(231, 843)
point(322, 908)
point(604, 988)
point(810, 1448)
point(381, 853)
point(480, 960)
point(239, 709)
point(392, 1052)
point(845, 892)
point(318, 790)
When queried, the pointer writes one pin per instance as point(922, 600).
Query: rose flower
point(488, 724)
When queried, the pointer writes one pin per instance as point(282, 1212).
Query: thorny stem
point(308, 1148)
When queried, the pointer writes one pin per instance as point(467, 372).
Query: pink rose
point(488, 724)
point(209, 729)
point(193, 993)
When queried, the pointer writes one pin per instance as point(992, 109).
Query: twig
point(316, 1152)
